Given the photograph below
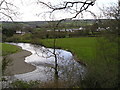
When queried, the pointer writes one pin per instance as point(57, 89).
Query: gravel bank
point(18, 65)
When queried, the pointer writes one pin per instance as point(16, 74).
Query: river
point(42, 58)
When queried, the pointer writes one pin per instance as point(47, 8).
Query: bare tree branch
point(69, 5)
point(66, 6)
point(7, 15)
point(2, 2)
point(6, 10)
point(111, 12)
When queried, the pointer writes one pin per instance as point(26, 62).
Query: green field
point(8, 49)
point(84, 48)
point(100, 55)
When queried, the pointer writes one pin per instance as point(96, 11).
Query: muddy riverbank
point(18, 64)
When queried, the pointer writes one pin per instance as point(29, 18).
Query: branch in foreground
point(69, 5)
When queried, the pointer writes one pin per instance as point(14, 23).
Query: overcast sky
point(29, 9)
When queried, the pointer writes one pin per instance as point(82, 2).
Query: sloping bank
point(17, 57)
point(83, 48)
point(99, 53)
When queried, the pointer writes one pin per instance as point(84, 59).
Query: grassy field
point(100, 55)
point(84, 48)
point(8, 49)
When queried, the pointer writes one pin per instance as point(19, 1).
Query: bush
point(24, 84)
point(5, 62)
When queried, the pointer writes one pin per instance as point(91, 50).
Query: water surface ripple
point(43, 59)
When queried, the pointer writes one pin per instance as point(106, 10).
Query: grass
point(8, 49)
point(84, 47)
point(100, 55)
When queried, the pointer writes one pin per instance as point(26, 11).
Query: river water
point(43, 59)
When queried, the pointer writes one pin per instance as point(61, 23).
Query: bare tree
point(7, 10)
point(112, 12)
point(75, 8)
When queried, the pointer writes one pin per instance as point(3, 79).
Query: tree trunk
point(56, 64)
point(56, 68)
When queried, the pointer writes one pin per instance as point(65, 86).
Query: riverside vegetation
point(7, 49)
point(98, 53)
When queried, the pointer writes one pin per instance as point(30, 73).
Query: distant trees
point(112, 25)
point(7, 12)
point(76, 7)
point(8, 32)
point(106, 56)
point(9, 29)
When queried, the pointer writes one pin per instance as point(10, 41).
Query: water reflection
point(43, 59)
